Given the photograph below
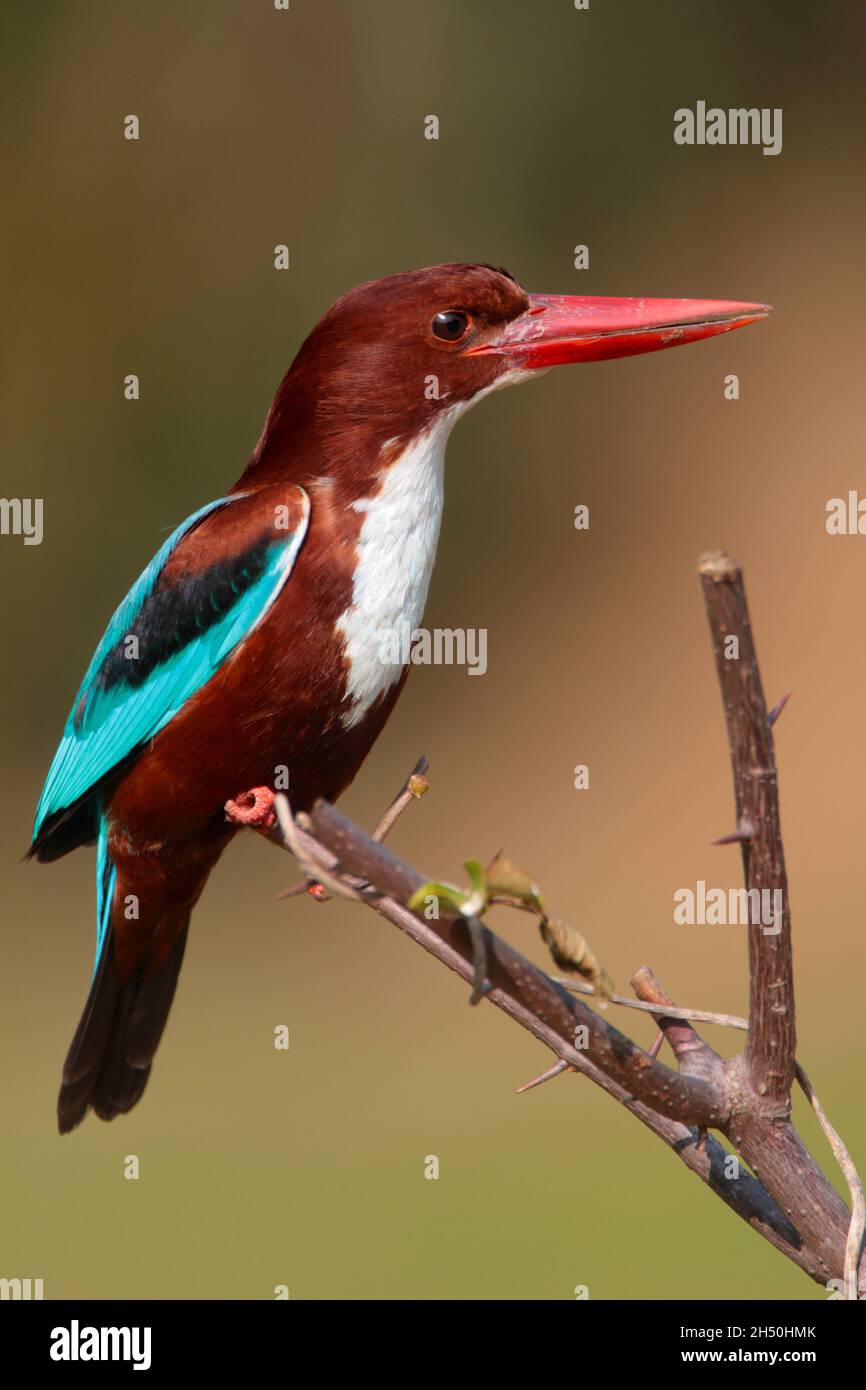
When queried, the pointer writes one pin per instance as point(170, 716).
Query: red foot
point(255, 808)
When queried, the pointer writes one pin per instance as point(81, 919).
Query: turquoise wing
point(163, 644)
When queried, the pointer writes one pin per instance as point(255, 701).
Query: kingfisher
point(252, 642)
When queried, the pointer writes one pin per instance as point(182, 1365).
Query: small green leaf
point(475, 904)
point(445, 892)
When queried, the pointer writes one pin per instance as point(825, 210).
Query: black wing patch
point(173, 614)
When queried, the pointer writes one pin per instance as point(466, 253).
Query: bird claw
point(254, 808)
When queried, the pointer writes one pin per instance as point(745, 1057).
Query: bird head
point(397, 356)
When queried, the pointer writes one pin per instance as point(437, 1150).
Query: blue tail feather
point(106, 877)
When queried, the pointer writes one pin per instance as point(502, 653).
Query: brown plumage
point(352, 449)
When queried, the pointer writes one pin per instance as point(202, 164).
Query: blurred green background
point(306, 1168)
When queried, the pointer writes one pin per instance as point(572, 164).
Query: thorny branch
point(786, 1198)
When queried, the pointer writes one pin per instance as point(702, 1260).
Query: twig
point(854, 1243)
point(339, 887)
point(771, 1043)
point(415, 786)
point(694, 1015)
point(693, 1054)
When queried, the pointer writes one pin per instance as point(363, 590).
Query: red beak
point(560, 328)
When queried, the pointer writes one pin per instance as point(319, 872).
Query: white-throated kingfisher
point(252, 641)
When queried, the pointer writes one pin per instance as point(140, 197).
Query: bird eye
point(450, 326)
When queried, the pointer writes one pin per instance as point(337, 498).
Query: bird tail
point(109, 1060)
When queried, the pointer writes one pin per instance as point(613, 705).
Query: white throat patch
point(396, 553)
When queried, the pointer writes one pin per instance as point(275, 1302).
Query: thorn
point(741, 836)
point(777, 709)
point(703, 1134)
point(295, 891)
point(655, 1046)
point(548, 1075)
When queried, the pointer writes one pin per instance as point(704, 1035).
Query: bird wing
point(166, 639)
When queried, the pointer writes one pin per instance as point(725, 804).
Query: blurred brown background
point(306, 1168)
